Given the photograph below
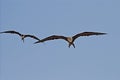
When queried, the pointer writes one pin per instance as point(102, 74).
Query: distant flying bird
point(21, 35)
point(70, 40)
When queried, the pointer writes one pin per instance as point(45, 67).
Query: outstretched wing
point(87, 34)
point(12, 32)
point(32, 36)
point(52, 38)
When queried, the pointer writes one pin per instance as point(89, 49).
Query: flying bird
point(70, 40)
point(21, 35)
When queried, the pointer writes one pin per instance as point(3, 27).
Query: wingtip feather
point(103, 33)
point(36, 42)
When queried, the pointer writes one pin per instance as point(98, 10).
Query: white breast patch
point(69, 39)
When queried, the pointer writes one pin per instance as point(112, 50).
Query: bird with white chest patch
point(70, 40)
point(21, 35)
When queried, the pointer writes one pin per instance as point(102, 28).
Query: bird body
point(70, 40)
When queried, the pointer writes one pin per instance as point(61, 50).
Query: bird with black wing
point(70, 40)
point(21, 35)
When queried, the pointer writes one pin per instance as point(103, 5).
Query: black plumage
point(21, 35)
point(70, 40)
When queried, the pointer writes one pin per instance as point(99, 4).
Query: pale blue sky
point(94, 58)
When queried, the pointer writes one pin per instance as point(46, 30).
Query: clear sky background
point(94, 58)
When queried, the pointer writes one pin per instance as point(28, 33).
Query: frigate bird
point(70, 40)
point(21, 35)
